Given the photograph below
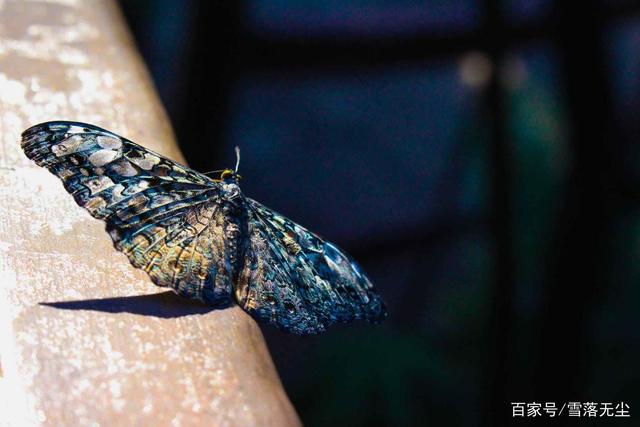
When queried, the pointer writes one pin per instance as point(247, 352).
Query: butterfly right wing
point(163, 216)
point(266, 288)
point(297, 282)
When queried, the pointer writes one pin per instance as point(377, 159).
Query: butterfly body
point(201, 236)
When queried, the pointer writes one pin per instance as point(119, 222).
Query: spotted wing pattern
point(164, 217)
point(294, 280)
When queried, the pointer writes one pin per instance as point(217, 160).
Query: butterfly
point(200, 236)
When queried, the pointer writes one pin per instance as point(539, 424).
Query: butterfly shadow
point(166, 305)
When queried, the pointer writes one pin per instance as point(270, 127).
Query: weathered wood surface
point(123, 352)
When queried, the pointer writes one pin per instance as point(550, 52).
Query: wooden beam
point(84, 337)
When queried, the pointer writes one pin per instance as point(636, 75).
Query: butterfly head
point(229, 175)
point(230, 190)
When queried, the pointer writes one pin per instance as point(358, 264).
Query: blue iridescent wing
point(294, 280)
point(163, 216)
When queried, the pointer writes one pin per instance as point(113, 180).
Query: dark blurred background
point(478, 157)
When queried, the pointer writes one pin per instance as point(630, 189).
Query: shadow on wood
point(166, 305)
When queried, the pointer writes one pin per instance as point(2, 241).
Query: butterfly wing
point(294, 280)
point(163, 216)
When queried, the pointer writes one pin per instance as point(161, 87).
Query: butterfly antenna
point(237, 158)
point(213, 172)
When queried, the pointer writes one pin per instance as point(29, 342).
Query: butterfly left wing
point(296, 281)
point(163, 216)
